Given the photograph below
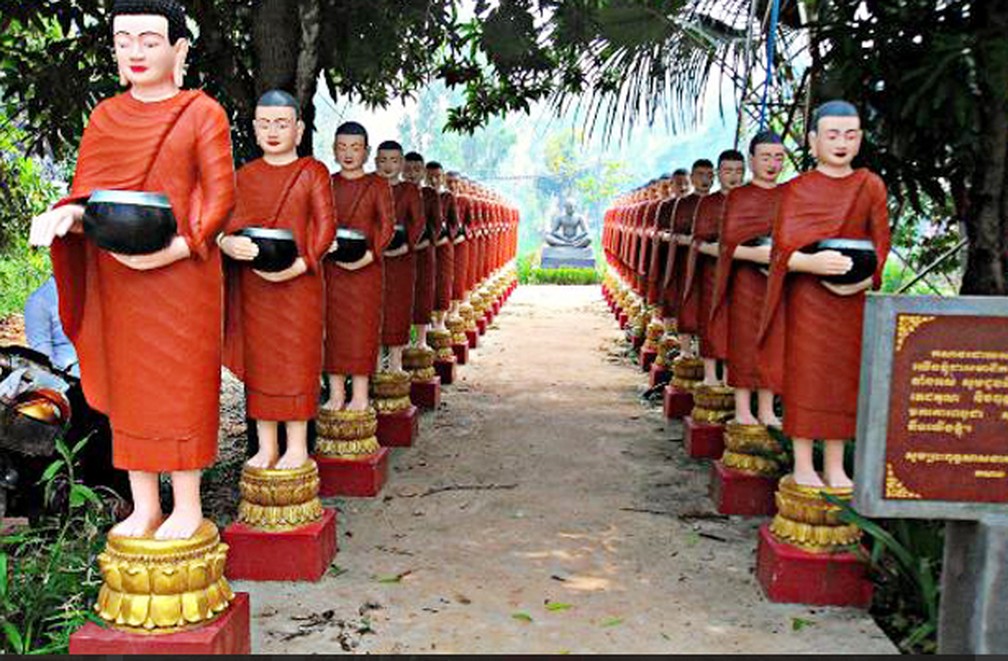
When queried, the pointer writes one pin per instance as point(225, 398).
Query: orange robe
point(426, 265)
point(658, 252)
point(354, 298)
point(675, 264)
point(149, 342)
point(273, 331)
point(698, 290)
point(740, 286)
point(810, 338)
point(459, 279)
point(400, 272)
point(446, 253)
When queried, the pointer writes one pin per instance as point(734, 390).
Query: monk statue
point(681, 185)
point(830, 242)
point(423, 303)
point(444, 246)
point(569, 229)
point(365, 223)
point(145, 314)
point(274, 309)
point(740, 281)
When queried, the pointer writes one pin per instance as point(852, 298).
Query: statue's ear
point(300, 131)
point(181, 53)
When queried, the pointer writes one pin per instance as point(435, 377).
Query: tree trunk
point(986, 225)
point(308, 67)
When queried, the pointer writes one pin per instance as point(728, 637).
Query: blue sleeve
point(37, 323)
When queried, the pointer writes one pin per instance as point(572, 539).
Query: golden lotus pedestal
point(350, 460)
point(471, 328)
point(398, 419)
point(808, 555)
point(425, 386)
point(166, 597)
point(459, 341)
point(703, 429)
point(282, 532)
point(687, 374)
point(649, 351)
point(444, 356)
point(744, 480)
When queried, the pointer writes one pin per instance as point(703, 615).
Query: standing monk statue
point(147, 323)
point(365, 217)
point(274, 311)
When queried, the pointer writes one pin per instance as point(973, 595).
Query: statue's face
point(389, 163)
point(836, 141)
point(730, 174)
point(664, 188)
point(351, 152)
point(681, 184)
point(144, 54)
point(702, 179)
point(569, 207)
point(453, 184)
point(435, 177)
point(414, 172)
point(767, 163)
point(277, 130)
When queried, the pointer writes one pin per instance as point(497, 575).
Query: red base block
point(481, 325)
point(658, 375)
point(472, 337)
point(735, 492)
point(638, 341)
point(303, 554)
point(702, 440)
point(496, 307)
point(623, 319)
point(228, 634)
point(445, 370)
point(353, 477)
point(677, 403)
point(426, 394)
point(461, 350)
point(790, 575)
point(400, 429)
point(647, 358)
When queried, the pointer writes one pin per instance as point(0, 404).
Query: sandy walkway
point(535, 547)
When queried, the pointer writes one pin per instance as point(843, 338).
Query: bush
point(22, 270)
point(563, 276)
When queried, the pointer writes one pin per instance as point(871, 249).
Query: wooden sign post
point(932, 443)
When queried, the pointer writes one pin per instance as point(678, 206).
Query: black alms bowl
point(129, 222)
point(758, 242)
point(277, 249)
point(398, 238)
point(351, 245)
point(861, 252)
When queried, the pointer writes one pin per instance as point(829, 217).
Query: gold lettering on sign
point(894, 488)
point(906, 324)
point(990, 474)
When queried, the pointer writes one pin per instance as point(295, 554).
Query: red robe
point(810, 338)
point(149, 342)
point(659, 250)
point(675, 265)
point(426, 265)
point(273, 331)
point(740, 286)
point(698, 290)
point(400, 272)
point(446, 253)
point(354, 298)
point(461, 241)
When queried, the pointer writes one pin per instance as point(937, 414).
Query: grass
point(22, 270)
point(529, 273)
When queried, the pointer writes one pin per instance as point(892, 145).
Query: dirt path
point(525, 490)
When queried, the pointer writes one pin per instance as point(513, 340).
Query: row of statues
point(169, 263)
point(765, 280)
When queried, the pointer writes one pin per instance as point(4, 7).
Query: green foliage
point(22, 270)
point(49, 575)
point(25, 189)
point(563, 276)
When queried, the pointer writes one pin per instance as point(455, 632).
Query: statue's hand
point(56, 222)
point(827, 262)
point(333, 246)
point(360, 263)
point(177, 250)
point(241, 248)
point(848, 290)
point(294, 270)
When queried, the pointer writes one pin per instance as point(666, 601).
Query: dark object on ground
point(129, 222)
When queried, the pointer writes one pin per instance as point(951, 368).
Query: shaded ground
point(545, 509)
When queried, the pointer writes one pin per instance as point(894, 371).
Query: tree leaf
point(798, 623)
point(555, 606)
point(611, 622)
point(522, 616)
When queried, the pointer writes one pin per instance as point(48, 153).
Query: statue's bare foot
point(712, 383)
point(809, 479)
point(746, 418)
point(771, 420)
point(333, 404)
point(137, 524)
point(292, 459)
point(840, 481)
point(355, 405)
point(181, 524)
point(262, 459)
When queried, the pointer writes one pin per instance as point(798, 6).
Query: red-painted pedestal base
point(303, 554)
point(658, 375)
point(353, 477)
point(677, 403)
point(623, 319)
point(647, 358)
point(426, 394)
point(399, 429)
point(638, 341)
point(790, 575)
point(703, 440)
point(472, 337)
point(481, 325)
point(496, 307)
point(228, 634)
point(736, 492)
point(445, 371)
point(461, 350)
